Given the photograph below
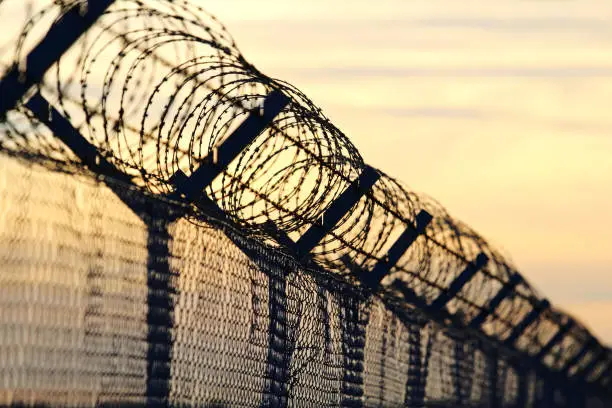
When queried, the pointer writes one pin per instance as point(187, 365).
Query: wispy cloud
point(430, 112)
point(556, 72)
point(553, 25)
point(533, 24)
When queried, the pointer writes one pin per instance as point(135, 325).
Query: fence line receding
point(155, 99)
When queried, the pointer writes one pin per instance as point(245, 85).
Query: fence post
point(279, 344)
point(160, 311)
point(457, 374)
point(549, 393)
point(415, 395)
point(576, 396)
point(493, 374)
point(356, 316)
point(418, 365)
point(524, 375)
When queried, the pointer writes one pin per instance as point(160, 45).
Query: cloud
point(429, 112)
point(518, 24)
point(553, 72)
point(551, 25)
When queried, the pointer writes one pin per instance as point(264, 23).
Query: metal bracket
point(192, 187)
point(578, 357)
point(63, 129)
point(496, 301)
point(352, 266)
point(343, 204)
point(464, 277)
point(398, 249)
point(555, 339)
point(586, 371)
point(282, 237)
point(527, 320)
point(409, 294)
point(605, 372)
point(65, 32)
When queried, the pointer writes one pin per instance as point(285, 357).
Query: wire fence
point(236, 249)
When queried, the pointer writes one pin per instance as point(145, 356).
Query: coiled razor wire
point(158, 85)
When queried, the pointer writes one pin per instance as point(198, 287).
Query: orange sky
point(500, 110)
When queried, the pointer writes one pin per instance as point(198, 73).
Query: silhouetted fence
point(235, 249)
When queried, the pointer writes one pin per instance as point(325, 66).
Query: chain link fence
point(180, 229)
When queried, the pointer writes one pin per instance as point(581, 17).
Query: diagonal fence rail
point(156, 95)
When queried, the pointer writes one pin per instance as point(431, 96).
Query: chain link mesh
point(75, 281)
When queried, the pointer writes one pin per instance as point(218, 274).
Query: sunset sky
point(498, 109)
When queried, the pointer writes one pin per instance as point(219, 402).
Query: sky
point(498, 109)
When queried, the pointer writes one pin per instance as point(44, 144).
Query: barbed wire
point(157, 86)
